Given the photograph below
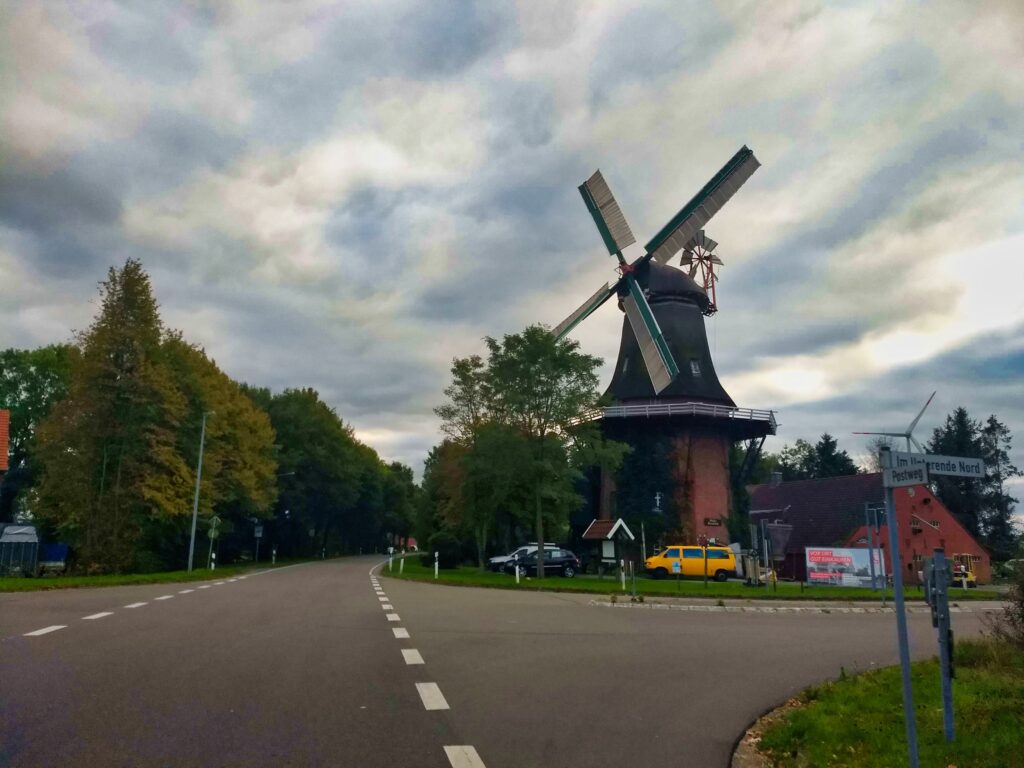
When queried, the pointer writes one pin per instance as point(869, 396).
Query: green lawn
point(857, 722)
point(471, 577)
point(20, 584)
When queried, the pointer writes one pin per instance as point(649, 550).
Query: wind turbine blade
point(914, 422)
point(661, 366)
point(600, 296)
point(608, 217)
point(705, 204)
point(885, 434)
point(916, 444)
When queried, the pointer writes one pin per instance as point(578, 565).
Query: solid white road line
point(412, 656)
point(97, 615)
point(135, 605)
point(388, 607)
point(392, 617)
point(46, 630)
point(185, 591)
point(431, 696)
point(401, 633)
point(464, 757)
point(165, 597)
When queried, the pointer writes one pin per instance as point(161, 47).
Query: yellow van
point(721, 562)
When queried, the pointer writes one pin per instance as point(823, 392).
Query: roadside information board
point(842, 567)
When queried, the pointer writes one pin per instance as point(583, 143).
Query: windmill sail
point(660, 364)
point(610, 220)
point(695, 214)
point(602, 295)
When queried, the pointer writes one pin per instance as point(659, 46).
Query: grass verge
point(857, 721)
point(466, 576)
point(21, 584)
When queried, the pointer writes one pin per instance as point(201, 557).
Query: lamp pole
point(195, 499)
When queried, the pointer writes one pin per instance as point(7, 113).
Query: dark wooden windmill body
point(664, 389)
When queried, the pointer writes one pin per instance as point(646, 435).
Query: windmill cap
point(663, 281)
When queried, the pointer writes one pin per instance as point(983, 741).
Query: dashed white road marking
point(99, 615)
point(431, 696)
point(135, 605)
point(230, 580)
point(383, 599)
point(217, 583)
point(164, 597)
point(46, 630)
point(464, 757)
point(185, 591)
point(387, 607)
point(412, 656)
point(392, 617)
point(401, 633)
point(204, 586)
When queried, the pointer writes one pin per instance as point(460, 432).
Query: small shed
point(612, 538)
point(19, 549)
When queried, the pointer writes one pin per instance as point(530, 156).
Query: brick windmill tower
point(664, 387)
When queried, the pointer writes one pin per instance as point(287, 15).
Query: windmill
point(908, 435)
point(665, 397)
point(683, 232)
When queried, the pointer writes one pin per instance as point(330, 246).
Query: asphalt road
point(304, 667)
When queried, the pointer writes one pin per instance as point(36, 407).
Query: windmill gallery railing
point(708, 410)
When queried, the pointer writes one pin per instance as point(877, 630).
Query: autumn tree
point(108, 451)
point(32, 381)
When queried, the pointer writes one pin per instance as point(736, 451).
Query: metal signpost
point(937, 578)
point(259, 535)
point(901, 613)
point(906, 469)
point(435, 565)
point(213, 533)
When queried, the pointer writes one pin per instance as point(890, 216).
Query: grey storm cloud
point(347, 195)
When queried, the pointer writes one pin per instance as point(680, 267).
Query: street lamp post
point(195, 499)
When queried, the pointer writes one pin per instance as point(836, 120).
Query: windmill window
point(625, 364)
point(694, 367)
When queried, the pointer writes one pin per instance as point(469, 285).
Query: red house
point(830, 512)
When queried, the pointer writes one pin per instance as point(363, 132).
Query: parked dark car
point(556, 561)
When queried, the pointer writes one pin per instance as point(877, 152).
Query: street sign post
point(910, 722)
point(937, 577)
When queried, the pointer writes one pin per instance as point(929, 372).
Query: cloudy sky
point(346, 195)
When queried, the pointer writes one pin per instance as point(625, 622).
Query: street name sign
point(958, 466)
point(902, 477)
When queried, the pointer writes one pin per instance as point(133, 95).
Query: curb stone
point(774, 609)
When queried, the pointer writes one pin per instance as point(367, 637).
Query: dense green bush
point(448, 548)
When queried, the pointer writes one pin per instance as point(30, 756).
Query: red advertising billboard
point(842, 567)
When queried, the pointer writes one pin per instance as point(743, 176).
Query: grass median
point(857, 721)
point(21, 584)
point(467, 576)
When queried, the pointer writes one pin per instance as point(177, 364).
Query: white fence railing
point(683, 409)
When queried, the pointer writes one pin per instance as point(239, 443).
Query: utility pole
point(195, 500)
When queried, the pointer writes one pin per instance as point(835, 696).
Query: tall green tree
point(543, 388)
point(108, 451)
point(320, 470)
point(31, 382)
point(981, 505)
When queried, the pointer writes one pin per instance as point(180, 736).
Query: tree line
point(105, 440)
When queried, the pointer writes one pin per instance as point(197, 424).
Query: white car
point(497, 564)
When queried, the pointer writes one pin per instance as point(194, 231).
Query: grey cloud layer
point(345, 195)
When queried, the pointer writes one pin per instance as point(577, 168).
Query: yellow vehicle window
point(692, 553)
point(672, 552)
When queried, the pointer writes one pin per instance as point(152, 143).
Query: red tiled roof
point(605, 529)
point(822, 512)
